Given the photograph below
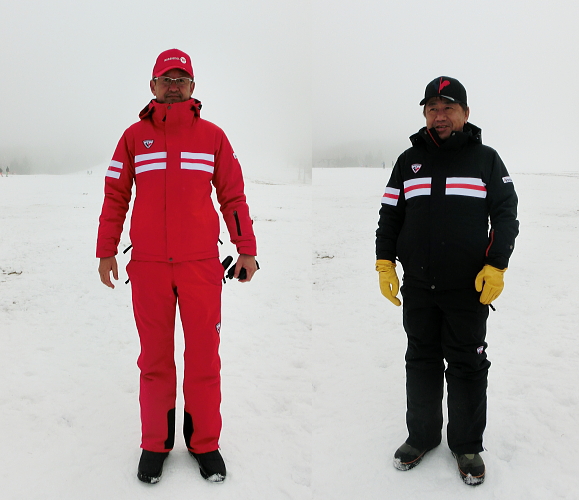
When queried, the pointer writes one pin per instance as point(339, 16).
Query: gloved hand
point(490, 282)
point(389, 283)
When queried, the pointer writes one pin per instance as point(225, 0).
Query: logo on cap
point(172, 59)
point(148, 143)
point(416, 167)
point(442, 84)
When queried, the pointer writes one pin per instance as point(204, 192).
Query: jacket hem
point(136, 255)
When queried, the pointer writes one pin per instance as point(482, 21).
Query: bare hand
point(248, 262)
point(107, 265)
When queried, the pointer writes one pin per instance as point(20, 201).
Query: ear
point(152, 87)
point(466, 114)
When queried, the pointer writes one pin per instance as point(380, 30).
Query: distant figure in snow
point(174, 157)
point(7, 171)
point(435, 220)
point(1, 173)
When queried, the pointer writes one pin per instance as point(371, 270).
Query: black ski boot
point(471, 467)
point(211, 466)
point(407, 457)
point(151, 466)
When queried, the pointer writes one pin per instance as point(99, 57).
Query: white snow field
point(313, 355)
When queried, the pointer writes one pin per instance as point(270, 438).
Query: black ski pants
point(445, 325)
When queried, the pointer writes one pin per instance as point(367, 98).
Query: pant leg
point(424, 368)
point(464, 346)
point(199, 297)
point(154, 306)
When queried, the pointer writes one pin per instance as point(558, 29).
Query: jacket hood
point(154, 106)
point(470, 133)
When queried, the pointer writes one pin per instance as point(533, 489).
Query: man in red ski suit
point(174, 156)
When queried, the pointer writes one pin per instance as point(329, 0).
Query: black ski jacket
point(436, 209)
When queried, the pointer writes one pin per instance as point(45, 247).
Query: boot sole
point(148, 479)
point(471, 480)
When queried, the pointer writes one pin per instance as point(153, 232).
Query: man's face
point(172, 93)
point(445, 116)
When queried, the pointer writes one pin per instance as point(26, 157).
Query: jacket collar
point(470, 134)
point(157, 111)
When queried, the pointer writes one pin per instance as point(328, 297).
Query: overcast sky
point(76, 75)
point(284, 77)
point(518, 59)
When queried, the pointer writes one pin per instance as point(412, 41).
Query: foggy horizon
point(291, 83)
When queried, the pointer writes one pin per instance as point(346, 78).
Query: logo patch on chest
point(148, 143)
point(416, 167)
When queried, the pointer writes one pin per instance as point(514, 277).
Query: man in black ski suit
point(435, 219)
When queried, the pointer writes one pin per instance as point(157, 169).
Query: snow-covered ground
point(359, 345)
point(313, 355)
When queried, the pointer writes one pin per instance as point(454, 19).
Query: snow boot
point(471, 467)
point(407, 457)
point(211, 466)
point(151, 466)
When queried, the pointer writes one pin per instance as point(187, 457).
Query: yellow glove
point(493, 283)
point(389, 283)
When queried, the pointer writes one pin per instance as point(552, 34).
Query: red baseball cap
point(172, 59)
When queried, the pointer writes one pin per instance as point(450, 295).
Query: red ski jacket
point(173, 156)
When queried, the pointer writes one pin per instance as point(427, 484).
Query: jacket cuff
point(498, 262)
point(104, 252)
point(247, 249)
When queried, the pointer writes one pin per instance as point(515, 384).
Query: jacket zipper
point(492, 238)
point(237, 223)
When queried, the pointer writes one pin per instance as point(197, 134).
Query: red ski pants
point(157, 288)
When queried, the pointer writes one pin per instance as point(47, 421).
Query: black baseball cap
point(444, 86)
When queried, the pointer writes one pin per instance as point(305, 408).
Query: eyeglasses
point(165, 81)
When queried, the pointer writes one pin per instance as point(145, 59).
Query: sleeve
point(392, 215)
point(229, 186)
point(118, 187)
point(502, 205)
